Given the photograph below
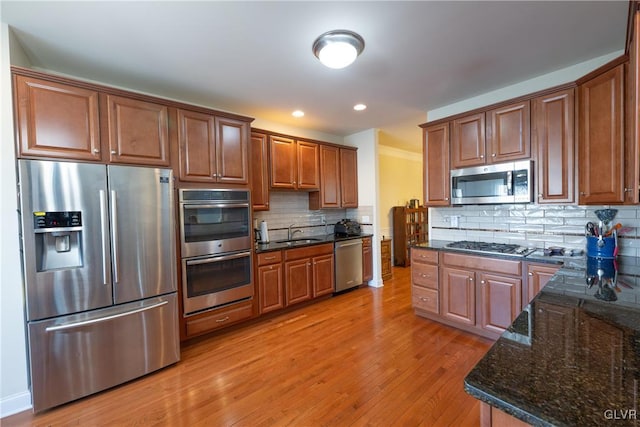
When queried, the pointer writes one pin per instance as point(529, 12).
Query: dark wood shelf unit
point(410, 227)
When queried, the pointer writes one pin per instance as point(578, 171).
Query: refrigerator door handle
point(103, 319)
point(114, 235)
point(104, 236)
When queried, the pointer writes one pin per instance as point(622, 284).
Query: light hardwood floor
point(362, 358)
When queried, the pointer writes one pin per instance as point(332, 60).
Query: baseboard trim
point(15, 403)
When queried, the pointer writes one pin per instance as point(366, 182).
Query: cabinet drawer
point(424, 275)
point(424, 299)
point(424, 256)
point(308, 251)
point(468, 262)
point(217, 319)
point(269, 258)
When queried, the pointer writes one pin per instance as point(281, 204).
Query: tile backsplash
point(530, 225)
point(292, 207)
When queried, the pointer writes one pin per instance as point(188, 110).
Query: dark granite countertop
point(305, 241)
point(572, 357)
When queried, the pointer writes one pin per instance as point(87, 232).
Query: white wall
point(14, 387)
point(545, 81)
point(367, 144)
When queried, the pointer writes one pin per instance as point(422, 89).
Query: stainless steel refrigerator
point(99, 266)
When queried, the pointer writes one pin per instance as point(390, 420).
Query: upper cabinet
point(259, 171)
point(294, 164)
point(137, 132)
point(56, 120)
point(468, 141)
point(632, 116)
point(212, 149)
point(495, 136)
point(601, 138)
point(552, 138)
point(338, 179)
point(436, 163)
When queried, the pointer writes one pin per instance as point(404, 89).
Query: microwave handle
point(217, 258)
point(215, 205)
point(510, 183)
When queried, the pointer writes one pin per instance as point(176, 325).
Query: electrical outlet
point(454, 221)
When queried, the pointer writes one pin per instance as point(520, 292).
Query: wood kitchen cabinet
point(601, 133)
point(294, 164)
point(259, 171)
point(56, 120)
point(437, 186)
point(425, 280)
point(308, 273)
point(367, 260)
point(213, 320)
point(498, 135)
point(479, 294)
point(270, 281)
point(338, 179)
point(385, 259)
point(136, 131)
point(553, 141)
point(538, 275)
point(632, 113)
point(212, 149)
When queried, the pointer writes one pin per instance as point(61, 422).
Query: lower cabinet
point(385, 259)
point(213, 320)
point(308, 273)
point(367, 260)
point(538, 275)
point(479, 294)
point(269, 278)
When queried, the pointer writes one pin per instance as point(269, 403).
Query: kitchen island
point(572, 357)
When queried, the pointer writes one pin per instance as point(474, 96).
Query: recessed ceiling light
point(298, 113)
point(359, 107)
point(338, 48)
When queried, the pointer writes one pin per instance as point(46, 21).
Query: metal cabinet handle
point(471, 279)
point(425, 299)
point(628, 190)
point(114, 235)
point(224, 319)
point(482, 282)
point(113, 152)
point(103, 319)
point(493, 155)
point(530, 274)
point(582, 193)
point(270, 257)
point(482, 156)
point(446, 198)
point(95, 150)
point(104, 236)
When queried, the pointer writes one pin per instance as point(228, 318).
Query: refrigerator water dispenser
point(58, 238)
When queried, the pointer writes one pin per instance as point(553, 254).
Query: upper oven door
point(214, 226)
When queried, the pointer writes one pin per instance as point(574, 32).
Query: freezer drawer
point(77, 355)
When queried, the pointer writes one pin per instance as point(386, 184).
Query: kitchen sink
point(299, 241)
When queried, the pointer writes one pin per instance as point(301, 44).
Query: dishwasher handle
point(344, 245)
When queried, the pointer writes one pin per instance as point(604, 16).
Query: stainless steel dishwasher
point(348, 256)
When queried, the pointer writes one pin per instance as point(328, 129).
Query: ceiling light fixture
point(359, 107)
point(338, 48)
point(298, 113)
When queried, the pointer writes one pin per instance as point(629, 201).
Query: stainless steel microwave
point(493, 184)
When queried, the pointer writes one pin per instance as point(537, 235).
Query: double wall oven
point(216, 237)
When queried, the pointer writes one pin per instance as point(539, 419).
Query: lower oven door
point(208, 282)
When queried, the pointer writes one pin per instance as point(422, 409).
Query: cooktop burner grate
point(496, 248)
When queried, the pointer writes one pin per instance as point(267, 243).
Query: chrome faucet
point(291, 233)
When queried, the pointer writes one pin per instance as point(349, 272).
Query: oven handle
point(217, 258)
point(215, 205)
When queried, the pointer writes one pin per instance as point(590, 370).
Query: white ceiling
point(255, 59)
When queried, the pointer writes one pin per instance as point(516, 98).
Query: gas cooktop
point(495, 248)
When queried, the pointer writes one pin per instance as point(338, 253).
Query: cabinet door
point(232, 160)
point(270, 288)
point(632, 117)
point(329, 177)
point(458, 297)
point(137, 131)
point(283, 162)
point(538, 275)
point(601, 145)
point(308, 162)
point(367, 260)
point(437, 186)
point(259, 172)
point(468, 141)
point(508, 133)
point(56, 120)
point(196, 139)
point(499, 301)
point(552, 134)
point(298, 281)
point(349, 178)
point(323, 281)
